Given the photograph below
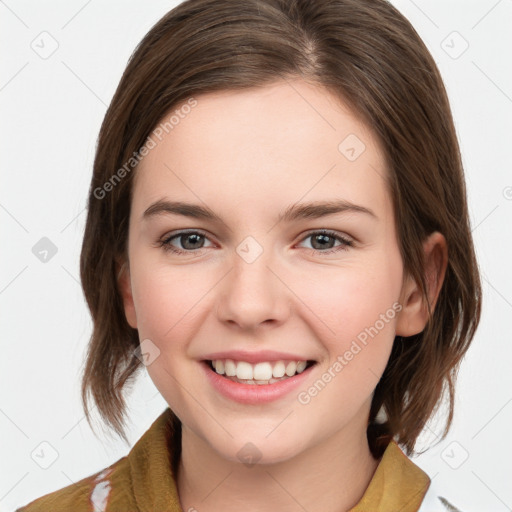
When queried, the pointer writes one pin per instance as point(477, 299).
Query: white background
point(51, 113)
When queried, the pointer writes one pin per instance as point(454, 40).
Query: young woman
point(278, 232)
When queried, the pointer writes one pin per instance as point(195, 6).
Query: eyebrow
point(297, 211)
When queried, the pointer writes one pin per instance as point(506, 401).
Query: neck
point(330, 476)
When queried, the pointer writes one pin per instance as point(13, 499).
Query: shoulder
point(88, 494)
point(433, 501)
point(143, 476)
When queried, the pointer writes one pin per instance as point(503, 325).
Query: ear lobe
point(414, 314)
point(125, 289)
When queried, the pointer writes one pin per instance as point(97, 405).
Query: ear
point(413, 317)
point(125, 289)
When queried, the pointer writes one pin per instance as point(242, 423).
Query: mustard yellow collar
point(398, 485)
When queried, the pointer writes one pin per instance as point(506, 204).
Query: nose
point(253, 294)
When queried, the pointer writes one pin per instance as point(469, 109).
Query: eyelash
point(345, 242)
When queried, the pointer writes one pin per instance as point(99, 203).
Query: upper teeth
point(258, 371)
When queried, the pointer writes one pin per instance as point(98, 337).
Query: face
point(262, 278)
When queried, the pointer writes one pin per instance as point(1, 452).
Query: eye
point(191, 241)
point(322, 241)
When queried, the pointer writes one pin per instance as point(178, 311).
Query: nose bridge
point(252, 293)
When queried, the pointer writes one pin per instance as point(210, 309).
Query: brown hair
point(368, 54)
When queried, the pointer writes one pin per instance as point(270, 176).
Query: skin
point(247, 155)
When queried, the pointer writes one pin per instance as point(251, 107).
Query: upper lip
point(254, 357)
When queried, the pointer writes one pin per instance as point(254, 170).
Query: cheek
point(357, 331)
point(167, 299)
point(348, 300)
point(354, 317)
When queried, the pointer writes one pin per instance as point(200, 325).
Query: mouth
point(259, 374)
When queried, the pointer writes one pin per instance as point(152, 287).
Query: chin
point(250, 450)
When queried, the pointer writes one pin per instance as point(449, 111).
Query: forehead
point(266, 146)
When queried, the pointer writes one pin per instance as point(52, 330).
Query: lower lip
point(254, 393)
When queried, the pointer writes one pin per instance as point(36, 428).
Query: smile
point(258, 384)
point(260, 373)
